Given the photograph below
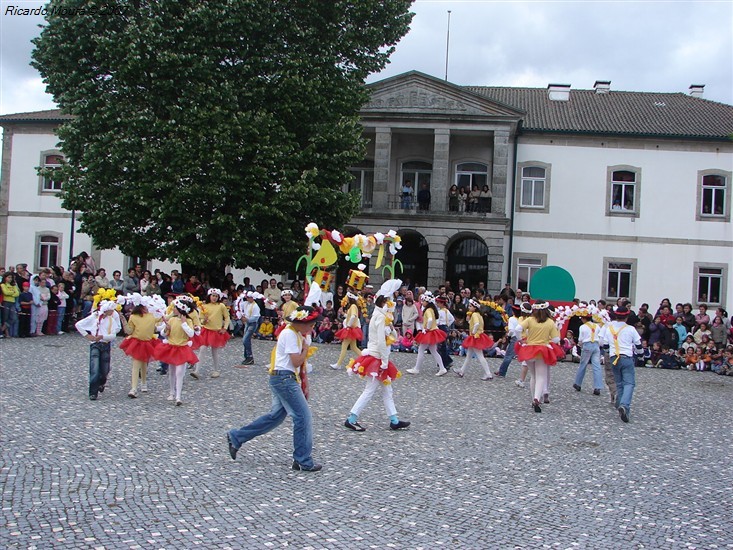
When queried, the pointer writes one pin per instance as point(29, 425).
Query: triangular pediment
point(415, 93)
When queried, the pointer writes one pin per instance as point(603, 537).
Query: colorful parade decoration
point(563, 314)
point(323, 245)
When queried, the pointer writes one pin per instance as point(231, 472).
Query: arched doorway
point(468, 259)
point(414, 258)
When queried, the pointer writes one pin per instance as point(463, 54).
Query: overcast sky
point(650, 46)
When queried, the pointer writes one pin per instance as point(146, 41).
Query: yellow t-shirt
point(10, 292)
point(289, 307)
point(538, 334)
point(176, 335)
point(142, 327)
point(266, 328)
point(217, 316)
point(428, 320)
point(476, 324)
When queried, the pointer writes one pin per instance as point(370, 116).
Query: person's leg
point(585, 356)
point(618, 379)
point(215, 362)
point(420, 358)
point(371, 386)
point(60, 312)
point(484, 364)
point(344, 348)
point(355, 348)
point(466, 361)
point(172, 382)
point(265, 423)
point(94, 369)
point(438, 359)
point(104, 366)
point(628, 375)
point(180, 375)
point(595, 361)
point(533, 377)
point(32, 324)
point(144, 376)
point(291, 395)
point(541, 371)
point(510, 354)
point(249, 330)
point(135, 377)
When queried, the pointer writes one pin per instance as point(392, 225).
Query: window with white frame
point(623, 191)
point(363, 182)
point(470, 174)
point(526, 267)
point(620, 278)
point(51, 161)
point(710, 283)
point(533, 187)
point(48, 251)
point(713, 195)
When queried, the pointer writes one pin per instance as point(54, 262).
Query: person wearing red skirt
point(140, 345)
point(477, 341)
point(214, 333)
point(374, 364)
point(540, 350)
point(430, 336)
point(351, 333)
point(176, 350)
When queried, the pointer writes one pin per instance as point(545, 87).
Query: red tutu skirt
point(212, 338)
point(435, 336)
point(350, 334)
point(482, 342)
point(175, 355)
point(549, 355)
point(279, 329)
point(139, 349)
point(368, 365)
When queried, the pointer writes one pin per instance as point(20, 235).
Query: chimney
point(602, 86)
point(558, 92)
point(696, 90)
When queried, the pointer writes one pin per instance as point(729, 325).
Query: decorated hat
point(541, 305)
point(304, 314)
point(287, 292)
point(389, 287)
point(474, 303)
point(621, 312)
point(442, 299)
point(526, 308)
point(516, 308)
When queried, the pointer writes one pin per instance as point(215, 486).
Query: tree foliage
point(212, 132)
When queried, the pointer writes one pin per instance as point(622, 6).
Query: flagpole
point(447, 43)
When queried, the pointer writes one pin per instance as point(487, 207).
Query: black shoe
point(536, 406)
point(577, 388)
point(401, 425)
point(101, 389)
point(163, 371)
point(623, 413)
point(315, 468)
point(596, 392)
point(232, 449)
point(546, 398)
point(248, 361)
point(354, 426)
point(92, 397)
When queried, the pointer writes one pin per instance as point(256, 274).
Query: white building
point(629, 191)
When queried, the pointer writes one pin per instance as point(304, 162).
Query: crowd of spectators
point(49, 301)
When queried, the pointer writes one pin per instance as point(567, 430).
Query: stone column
point(382, 158)
point(436, 259)
point(499, 171)
point(441, 171)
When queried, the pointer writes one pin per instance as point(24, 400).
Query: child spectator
point(407, 343)
point(655, 358)
point(325, 331)
point(266, 329)
point(691, 358)
point(688, 343)
point(646, 354)
point(25, 299)
point(718, 332)
point(681, 330)
point(726, 368)
point(703, 330)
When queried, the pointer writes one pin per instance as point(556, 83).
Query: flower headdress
point(304, 314)
point(184, 304)
point(105, 295)
point(215, 291)
point(540, 305)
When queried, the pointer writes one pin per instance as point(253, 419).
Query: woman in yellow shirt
point(351, 333)
point(214, 333)
point(430, 335)
point(140, 344)
point(540, 349)
point(477, 341)
point(176, 350)
point(10, 293)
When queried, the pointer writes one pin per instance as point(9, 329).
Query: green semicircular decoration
point(552, 283)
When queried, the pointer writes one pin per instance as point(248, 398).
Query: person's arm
point(187, 326)
point(227, 319)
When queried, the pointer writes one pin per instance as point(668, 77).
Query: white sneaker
point(412, 371)
point(215, 374)
point(61, 332)
point(441, 372)
point(171, 397)
point(144, 388)
point(519, 383)
point(132, 394)
point(334, 366)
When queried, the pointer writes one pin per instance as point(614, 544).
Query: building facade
point(628, 191)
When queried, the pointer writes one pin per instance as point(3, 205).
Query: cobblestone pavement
point(477, 468)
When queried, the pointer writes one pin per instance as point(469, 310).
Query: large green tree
point(212, 132)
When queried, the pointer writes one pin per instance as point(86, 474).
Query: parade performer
point(288, 362)
point(477, 341)
point(590, 352)
point(247, 311)
point(176, 350)
point(445, 321)
point(541, 349)
point(526, 310)
point(374, 363)
point(141, 341)
point(513, 335)
point(622, 342)
point(351, 333)
point(214, 333)
point(430, 336)
point(100, 328)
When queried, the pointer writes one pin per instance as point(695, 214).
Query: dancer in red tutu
point(477, 341)
point(540, 350)
point(141, 342)
point(213, 330)
point(374, 363)
point(351, 333)
point(176, 351)
point(430, 336)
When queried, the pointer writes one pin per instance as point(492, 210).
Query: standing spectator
point(25, 301)
point(423, 198)
point(61, 310)
point(681, 331)
point(53, 306)
point(484, 199)
point(462, 199)
point(473, 197)
point(718, 333)
point(87, 264)
point(406, 195)
point(10, 294)
point(41, 296)
point(453, 198)
point(702, 316)
point(88, 290)
point(272, 298)
point(22, 275)
point(166, 286)
point(177, 285)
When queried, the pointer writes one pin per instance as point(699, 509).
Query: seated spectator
point(702, 316)
point(691, 358)
point(325, 331)
point(681, 331)
point(726, 367)
point(718, 332)
point(265, 330)
point(101, 278)
point(646, 355)
point(407, 343)
point(700, 332)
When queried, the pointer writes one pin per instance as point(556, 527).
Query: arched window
point(469, 174)
point(48, 248)
point(50, 160)
point(468, 259)
point(414, 257)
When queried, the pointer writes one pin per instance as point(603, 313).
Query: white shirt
point(627, 336)
point(587, 335)
point(326, 297)
point(514, 329)
point(248, 311)
point(289, 342)
point(106, 327)
point(445, 317)
point(377, 345)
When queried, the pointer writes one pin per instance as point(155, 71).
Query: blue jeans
point(249, 330)
point(443, 348)
point(510, 354)
point(625, 377)
point(60, 313)
point(591, 352)
point(10, 318)
point(86, 309)
point(287, 400)
point(98, 366)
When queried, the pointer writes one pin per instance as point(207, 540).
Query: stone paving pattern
point(477, 468)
